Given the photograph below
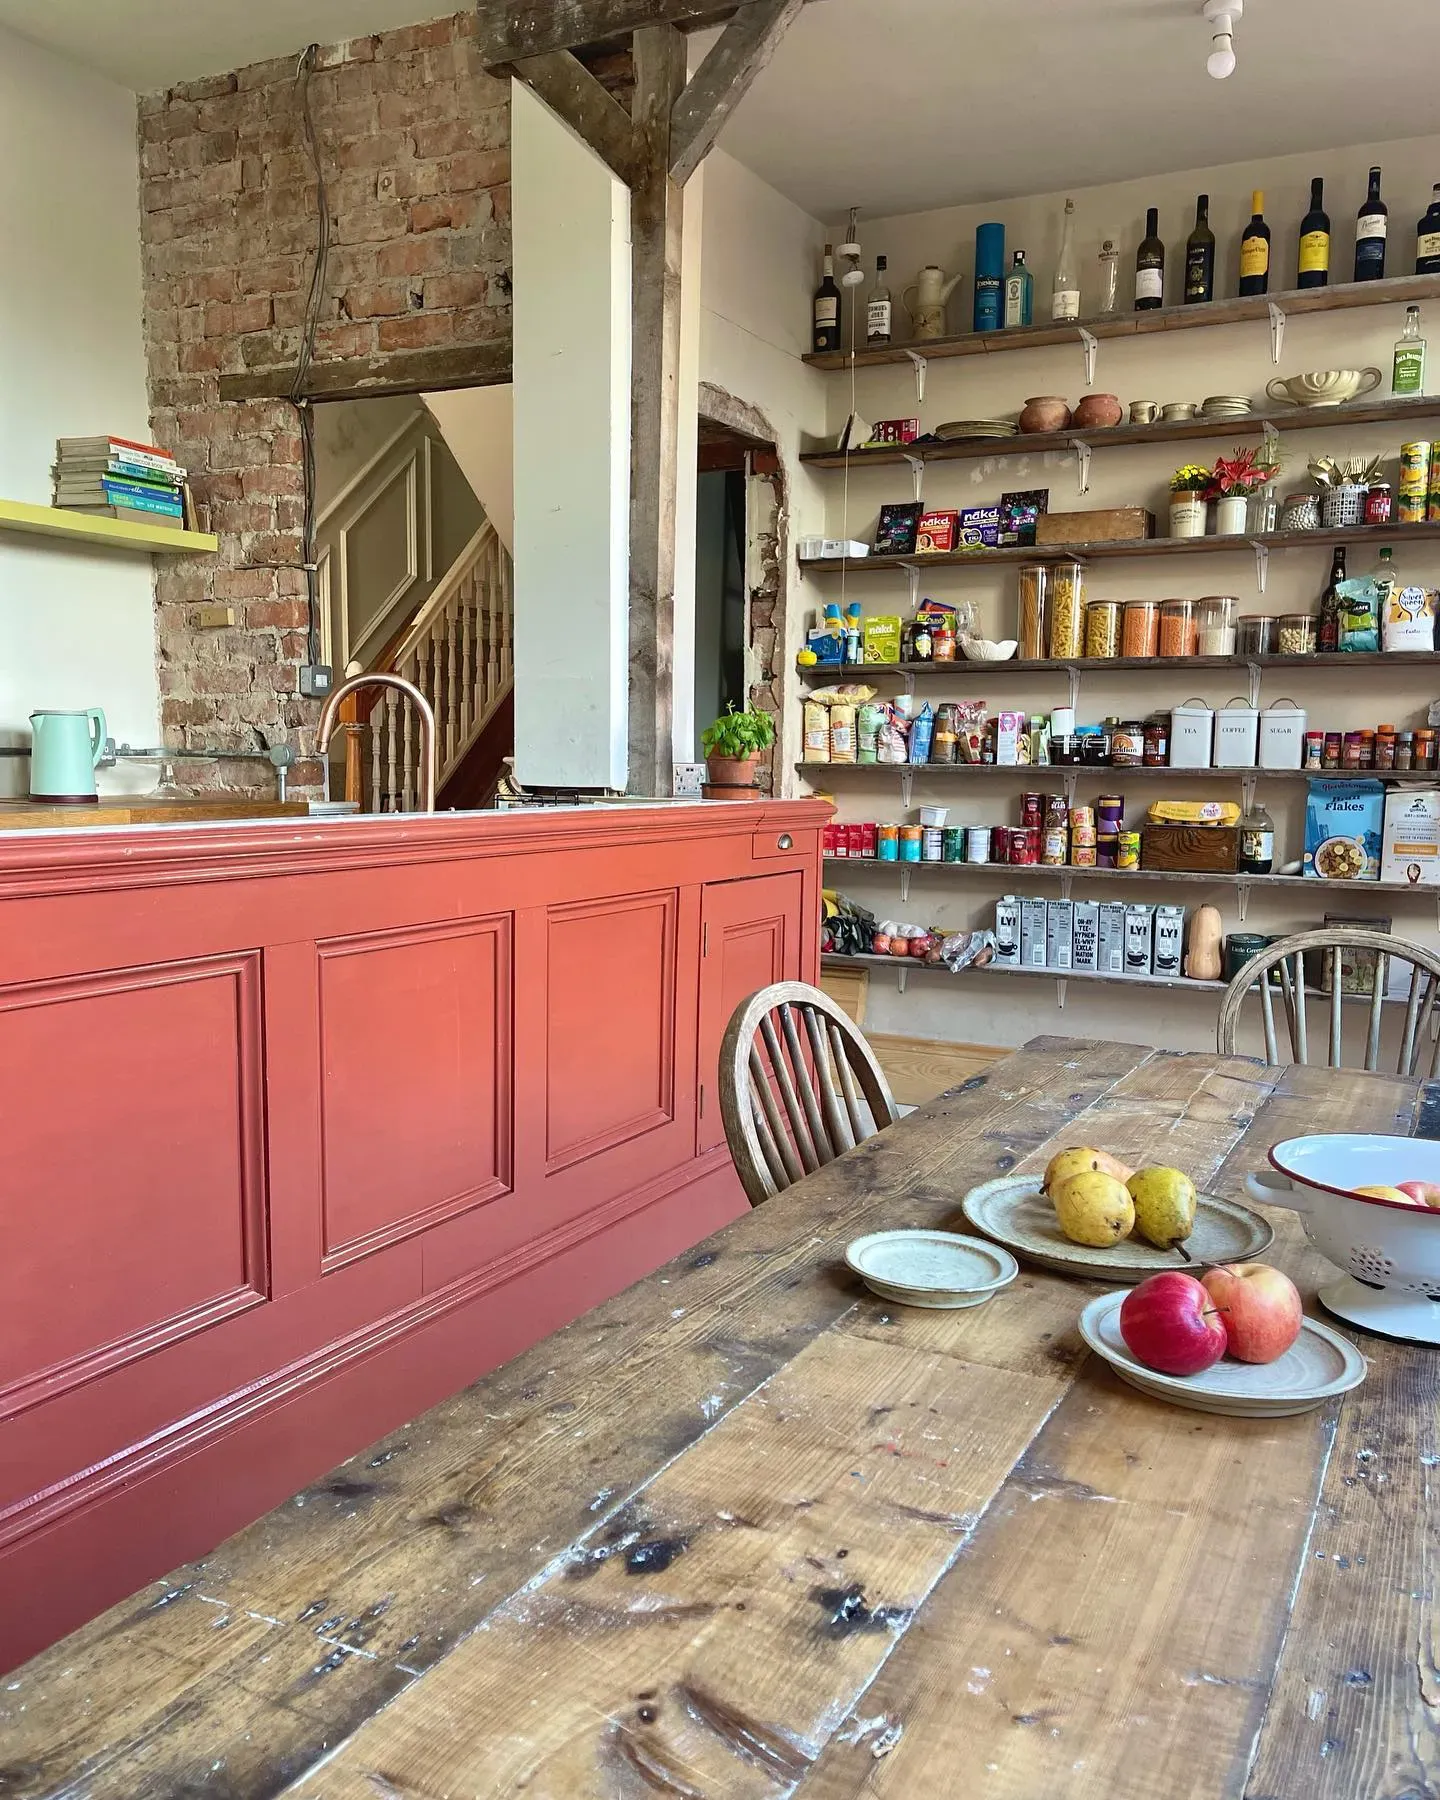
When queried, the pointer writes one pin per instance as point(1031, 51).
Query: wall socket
point(688, 778)
point(316, 680)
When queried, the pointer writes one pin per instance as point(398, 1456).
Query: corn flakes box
point(1344, 824)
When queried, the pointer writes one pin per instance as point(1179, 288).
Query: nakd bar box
point(1111, 959)
point(936, 531)
point(1032, 934)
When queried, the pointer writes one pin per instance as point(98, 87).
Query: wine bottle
point(1065, 296)
point(1371, 224)
point(1150, 266)
point(1314, 258)
point(879, 311)
point(1255, 249)
point(1327, 636)
point(826, 334)
point(1427, 237)
point(1408, 375)
point(1200, 256)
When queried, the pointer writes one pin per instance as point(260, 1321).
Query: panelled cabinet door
point(750, 936)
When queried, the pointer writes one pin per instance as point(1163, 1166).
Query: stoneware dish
point(1316, 1367)
point(987, 650)
point(1391, 1252)
point(1324, 387)
point(930, 1268)
point(1045, 412)
point(1013, 1210)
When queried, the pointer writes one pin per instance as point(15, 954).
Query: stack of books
point(118, 479)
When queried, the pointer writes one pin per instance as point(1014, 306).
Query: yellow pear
point(1164, 1206)
point(1094, 1208)
point(1083, 1161)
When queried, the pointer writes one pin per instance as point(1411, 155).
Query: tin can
point(1021, 850)
point(1034, 837)
point(1032, 809)
point(1106, 848)
point(887, 843)
point(932, 843)
point(1055, 846)
point(1082, 818)
point(999, 843)
point(1413, 488)
point(1082, 856)
point(977, 843)
point(910, 840)
point(952, 844)
point(1110, 810)
point(1127, 850)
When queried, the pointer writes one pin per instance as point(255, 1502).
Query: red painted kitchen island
point(309, 1124)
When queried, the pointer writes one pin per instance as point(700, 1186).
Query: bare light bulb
point(1221, 61)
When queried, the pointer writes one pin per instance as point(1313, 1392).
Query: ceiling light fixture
point(1223, 15)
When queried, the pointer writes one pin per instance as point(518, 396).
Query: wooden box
point(1108, 525)
point(1191, 849)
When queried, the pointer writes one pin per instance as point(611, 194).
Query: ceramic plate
point(1015, 1212)
point(1317, 1366)
point(930, 1268)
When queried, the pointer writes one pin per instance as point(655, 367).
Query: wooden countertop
point(143, 809)
point(745, 1531)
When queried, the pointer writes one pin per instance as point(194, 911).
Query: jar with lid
point(1385, 747)
point(1314, 750)
point(1094, 747)
point(1379, 503)
point(1067, 610)
point(1333, 755)
point(1215, 624)
point(1296, 635)
point(1178, 631)
point(1140, 628)
point(1102, 628)
point(1405, 750)
point(1157, 740)
point(1034, 596)
point(1257, 842)
point(945, 739)
point(1255, 635)
point(1424, 749)
point(1264, 510)
point(1127, 744)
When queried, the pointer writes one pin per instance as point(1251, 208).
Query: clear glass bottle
point(1408, 378)
point(1109, 277)
point(1019, 301)
point(1257, 842)
point(879, 308)
point(1065, 294)
point(1264, 512)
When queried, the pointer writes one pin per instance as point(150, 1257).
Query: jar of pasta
point(1102, 628)
point(1140, 628)
point(1034, 597)
point(1178, 632)
point(1067, 600)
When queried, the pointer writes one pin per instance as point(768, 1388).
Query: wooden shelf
point(827, 674)
point(909, 964)
point(1398, 290)
point(1237, 545)
point(95, 528)
point(1108, 772)
point(1024, 871)
point(1290, 418)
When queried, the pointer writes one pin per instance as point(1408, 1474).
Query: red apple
point(1260, 1306)
point(1169, 1323)
point(1426, 1192)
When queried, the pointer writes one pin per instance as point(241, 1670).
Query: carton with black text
point(1059, 923)
point(1085, 937)
point(1110, 959)
point(1139, 939)
point(1032, 934)
point(1007, 933)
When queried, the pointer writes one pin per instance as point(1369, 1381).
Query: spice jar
point(1034, 595)
point(942, 643)
point(1127, 744)
point(1314, 750)
point(1157, 741)
point(1215, 624)
point(1255, 635)
point(1067, 616)
point(1296, 636)
point(1102, 628)
point(1424, 749)
point(1405, 750)
point(1385, 746)
point(1178, 635)
point(1140, 628)
point(1333, 755)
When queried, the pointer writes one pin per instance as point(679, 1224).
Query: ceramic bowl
point(985, 650)
point(1097, 412)
point(1045, 412)
point(938, 1269)
point(1324, 387)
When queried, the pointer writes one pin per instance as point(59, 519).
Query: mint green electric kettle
point(65, 750)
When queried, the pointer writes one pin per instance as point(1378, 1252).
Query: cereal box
point(936, 531)
point(1344, 821)
point(1411, 849)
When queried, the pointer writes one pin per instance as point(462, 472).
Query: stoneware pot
point(1391, 1252)
point(1230, 512)
point(1045, 412)
point(734, 772)
point(1097, 412)
point(1325, 387)
point(1187, 515)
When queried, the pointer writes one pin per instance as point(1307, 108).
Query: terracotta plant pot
point(733, 772)
point(1045, 412)
point(1097, 412)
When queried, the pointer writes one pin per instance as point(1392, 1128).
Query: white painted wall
point(1178, 366)
point(478, 424)
point(76, 625)
point(572, 454)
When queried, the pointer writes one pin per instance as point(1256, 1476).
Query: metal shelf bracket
point(917, 471)
point(921, 369)
point(1091, 345)
point(1082, 466)
point(1270, 442)
point(1061, 988)
point(1262, 563)
point(904, 884)
point(1254, 671)
point(912, 576)
point(1242, 900)
point(1277, 331)
point(902, 975)
point(907, 787)
point(1074, 675)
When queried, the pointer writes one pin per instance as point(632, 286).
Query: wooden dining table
point(746, 1531)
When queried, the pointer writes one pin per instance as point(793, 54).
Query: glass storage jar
point(1296, 635)
point(1034, 615)
point(1140, 628)
point(1178, 631)
point(1215, 624)
point(1255, 635)
point(1102, 628)
point(1067, 609)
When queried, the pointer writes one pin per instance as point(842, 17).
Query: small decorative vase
point(1045, 412)
point(1187, 516)
point(1230, 512)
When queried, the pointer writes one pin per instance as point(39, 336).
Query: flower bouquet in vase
point(1232, 481)
point(1187, 500)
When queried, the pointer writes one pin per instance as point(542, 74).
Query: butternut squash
point(1203, 961)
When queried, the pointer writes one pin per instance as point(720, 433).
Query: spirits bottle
point(1314, 259)
point(1327, 633)
point(1371, 224)
point(1065, 297)
point(1200, 256)
point(1408, 379)
point(1109, 277)
point(1019, 293)
point(1427, 237)
point(826, 333)
point(1150, 266)
point(1255, 249)
point(879, 310)
point(1257, 842)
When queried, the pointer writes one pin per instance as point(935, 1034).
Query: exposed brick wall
point(414, 138)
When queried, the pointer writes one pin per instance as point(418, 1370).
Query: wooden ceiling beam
point(569, 89)
point(506, 32)
point(723, 79)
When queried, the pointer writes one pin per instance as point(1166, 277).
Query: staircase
point(458, 650)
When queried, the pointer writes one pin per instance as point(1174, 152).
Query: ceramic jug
point(927, 309)
point(66, 748)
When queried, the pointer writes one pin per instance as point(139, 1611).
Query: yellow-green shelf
point(87, 528)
